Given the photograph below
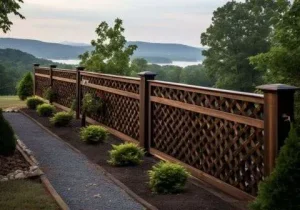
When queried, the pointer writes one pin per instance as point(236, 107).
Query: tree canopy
point(239, 30)
point(7, 7)
point(282, 63)
point(110, 54)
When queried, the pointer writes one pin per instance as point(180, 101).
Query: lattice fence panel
point(229, 151)
point(64, 74)
point(111, 83)
point(43, 71)
point(234, 106)
point(66, 92)
point(41, 85)
point(120, 112)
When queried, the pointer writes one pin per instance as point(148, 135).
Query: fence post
point(78, 90)
point(278, 115)
point(36, 65)
point(51, 74)
point(145, 118)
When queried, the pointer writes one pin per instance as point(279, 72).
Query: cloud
point(178, 21)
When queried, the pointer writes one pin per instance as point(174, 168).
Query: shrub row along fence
point(228, 139)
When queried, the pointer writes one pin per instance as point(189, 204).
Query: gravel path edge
point(107, 174)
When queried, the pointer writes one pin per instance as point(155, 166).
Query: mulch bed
point(136, 178)
point(12, 163)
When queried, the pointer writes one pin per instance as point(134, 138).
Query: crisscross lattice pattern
point(41, 85)
point(120, 113)
point(111, 83)
point(64, 74)
point(66, 92)
point(42, 71)
point(229, 151)
point(234, 106)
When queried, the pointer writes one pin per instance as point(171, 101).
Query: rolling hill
point(173, 52)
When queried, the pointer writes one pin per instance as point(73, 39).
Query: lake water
point(175, 63)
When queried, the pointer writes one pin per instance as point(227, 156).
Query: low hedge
point(126, 154)
point(33, 102)
point(93, 134)
point(61, 119)
point(45, 110)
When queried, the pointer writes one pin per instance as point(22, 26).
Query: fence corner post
point(145, 117)
point(78, 90)
point(278, 115)
point(35, 66)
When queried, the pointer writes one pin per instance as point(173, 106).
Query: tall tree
point(282, 63)
point(7, 7)
point(239, 30)
point(110, 54)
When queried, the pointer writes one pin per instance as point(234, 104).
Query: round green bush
point(7, 137)
point(33, 102)
point(167, 178)
point(25, 87)
point(126, 154)
point(45, 110)
point(93, 134)
point(61, 119)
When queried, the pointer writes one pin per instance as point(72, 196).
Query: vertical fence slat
point(36, 65)
point(78, 91)
point(145, 113)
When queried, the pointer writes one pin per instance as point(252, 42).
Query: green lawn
point(25, 194)
point(10, 101)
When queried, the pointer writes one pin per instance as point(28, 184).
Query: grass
point(25, 194)
point(10, 101)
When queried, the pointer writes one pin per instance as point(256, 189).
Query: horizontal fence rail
point(229, 139)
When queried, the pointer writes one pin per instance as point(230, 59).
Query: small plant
point(33, 102)
point(25, 87)
point(50, 95)
point(61, 119)
point(45, 110)
point(126, 154)
point(7, 137)
point(93, 134)
point(281, 189)
point(90, 105)
point(167, 177)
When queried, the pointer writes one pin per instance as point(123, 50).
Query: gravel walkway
point(80, 183)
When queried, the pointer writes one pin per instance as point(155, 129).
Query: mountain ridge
point(51, 50)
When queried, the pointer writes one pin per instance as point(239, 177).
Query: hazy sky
point(168, 21)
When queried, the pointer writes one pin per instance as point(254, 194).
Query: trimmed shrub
point(7, 137)
point(167, 177)
point(61, 119)
point(25, 86)
point(50, 95)
point(93, 134)
point(33, 102)
point(281, 189)
point(126, 154)
point(45, 110)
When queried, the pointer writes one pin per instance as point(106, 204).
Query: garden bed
point(13, 163)
point(135, 178)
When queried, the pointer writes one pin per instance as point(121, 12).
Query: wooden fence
point(226, 138)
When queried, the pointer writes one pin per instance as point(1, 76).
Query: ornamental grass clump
point(7, 137)
point(33, 102)
point(167, 178)
point(127, 154)
point(61, 119)
point(45, 110)
point(281, 190)
point(93, 134)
